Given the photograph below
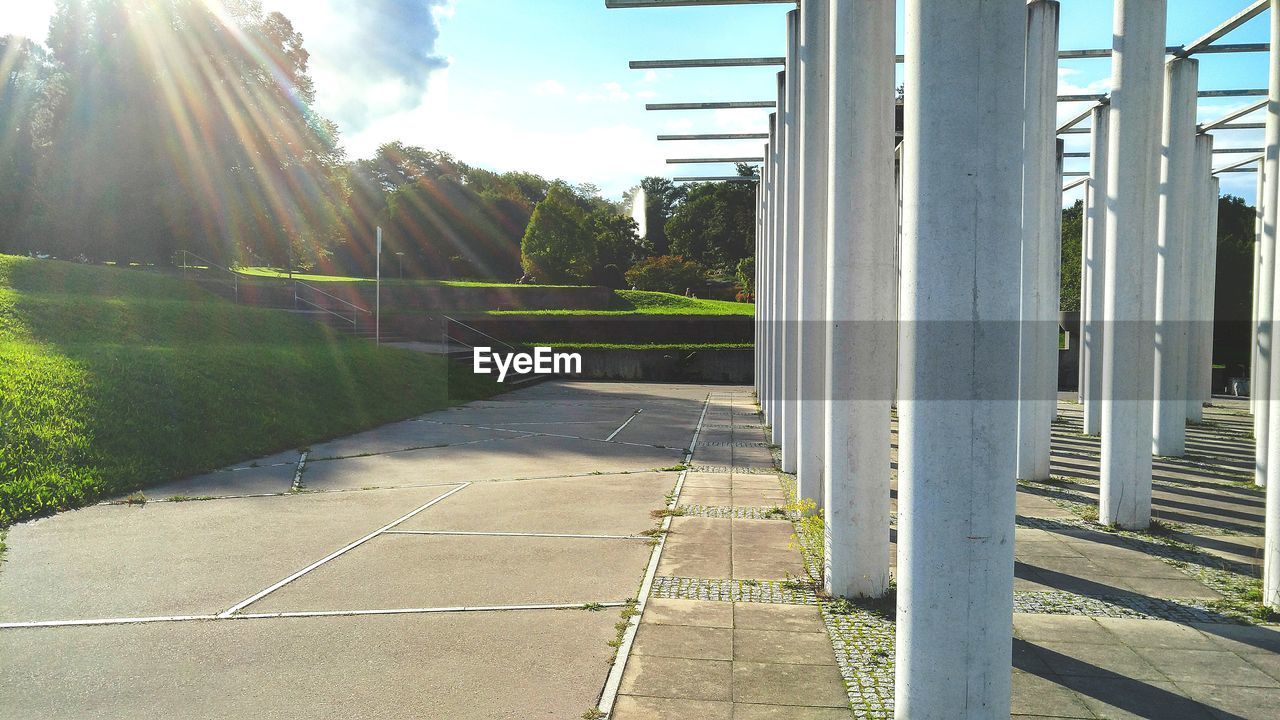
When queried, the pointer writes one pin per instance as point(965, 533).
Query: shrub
point(669, 273)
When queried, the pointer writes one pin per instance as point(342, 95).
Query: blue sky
point(543, 85)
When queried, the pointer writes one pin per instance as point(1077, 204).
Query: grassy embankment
point(641, 302)
point(112, 380)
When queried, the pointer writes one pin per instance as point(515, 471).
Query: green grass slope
point(642, 302)
point(112, 380)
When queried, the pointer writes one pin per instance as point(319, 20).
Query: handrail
point(235, 276)
point(313, 288)
point(478, 332)
point(355, 309)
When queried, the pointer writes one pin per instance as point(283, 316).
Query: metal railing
point(449, 337)
point(340, 312)
point(220, 278)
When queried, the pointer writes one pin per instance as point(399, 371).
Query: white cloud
point(549, 88)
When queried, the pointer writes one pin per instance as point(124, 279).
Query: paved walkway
point(470, 563)
point(485, 562)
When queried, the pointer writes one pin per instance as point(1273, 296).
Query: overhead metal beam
point(717, 136)
point(714, 178)
point(628, 4)
point(1075, 121)
point(712, 105)
point(1075, 154)
point(1239, 164)
point(1075, 131)
point(706, 63)
point(1250, 92)
point(1205, 41)
point(1077, 173)
point(1075, 183)
point(1242, 126)
point(695, 161)
point(1206, 127)
point(1237, 151)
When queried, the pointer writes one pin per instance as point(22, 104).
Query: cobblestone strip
point(720, 590)
point(863, 641)
point(736, 444)
point(741, 513)
point(731, 469)
point(1059, 602)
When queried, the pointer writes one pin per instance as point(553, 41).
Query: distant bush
point(669, 273)
point(746, 277)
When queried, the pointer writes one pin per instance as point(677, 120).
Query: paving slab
point(403, 436)
point(588, 504)
point(415, 571)
point(178, 558)
point(477, 666)
point(264, 476)
point(503, 459)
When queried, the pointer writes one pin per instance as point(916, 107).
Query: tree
point(661, 196)
point(668, 273)
point(185, 128)
point(715, 224)
point(1072, 227)
point(1233, 286)
point(558, 246)
point(32, 88)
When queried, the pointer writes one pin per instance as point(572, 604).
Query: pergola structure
point(886, 279)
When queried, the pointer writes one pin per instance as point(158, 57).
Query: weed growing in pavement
point(666, 512)
point(136, 499)
point(593, 607)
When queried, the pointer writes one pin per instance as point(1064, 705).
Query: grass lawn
point(275, 273)
point(641, 302)
point(646, 346)
point(112, 380)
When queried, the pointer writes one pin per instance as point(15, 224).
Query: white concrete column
point(779, 421)
point(962, 230)
point(861, 282)
point(1081, 367)
point(1128, 334)
point(761, 285)
point(1202, 261)
point(1267, 268)
point(1215, 192)
point(1038, 343)
point(1094, 260)
point(1257, 273)
point(815, 31)
point(791, 223)
point(1174, 237)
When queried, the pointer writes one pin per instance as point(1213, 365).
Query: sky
point(543, 85)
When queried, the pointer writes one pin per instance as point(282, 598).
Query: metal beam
point(1075, 183)
point(628, 4)
point(713, 178)
point(706, 63)
point(1176, 50)
point(1242, 126)
point(1250, 92)
point(695, 161)
point(1075, 173)
point(1206, 127)
point(717, 136)
point(1240, 18)
point(1237, 151)
point(712, 105)
point(1233, 166)
point(1075, 121)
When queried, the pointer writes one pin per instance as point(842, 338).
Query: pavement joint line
point(477, 533)
point(303, 614)
point(609, 694)
point(528, 433)
point(297, 473)
point(330, 458)
point(254, 598)
point(624, 425)
point(103, 621)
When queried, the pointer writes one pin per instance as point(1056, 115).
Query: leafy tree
point(668, 273)
point(746, 276)
point(558, 245)
point(715, 224)
point(180, 127)
point(32, 86)
point(661, 196)
point(1072, 250)
point(1233, 288)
